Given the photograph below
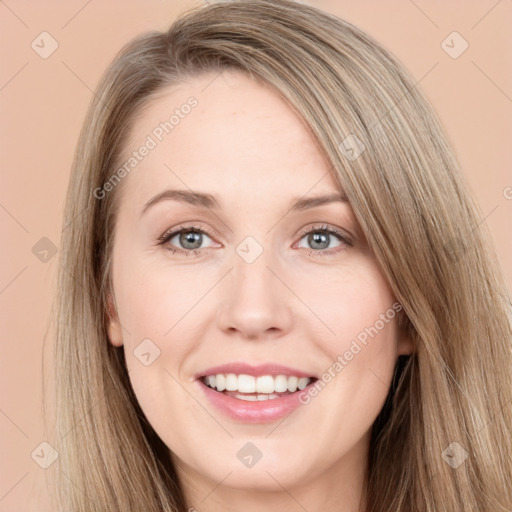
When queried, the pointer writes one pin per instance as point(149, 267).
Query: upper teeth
point(250, 384)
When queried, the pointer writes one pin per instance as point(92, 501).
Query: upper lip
point(239, 368)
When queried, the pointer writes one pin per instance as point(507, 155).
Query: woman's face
point(269, 289)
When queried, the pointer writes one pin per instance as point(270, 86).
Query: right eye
point(190, 239)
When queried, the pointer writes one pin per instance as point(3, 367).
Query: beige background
point(43, 102)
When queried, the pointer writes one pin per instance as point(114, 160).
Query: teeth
point(248, 398)
point(231, 382)
point(267, 397)
point(255, 398)
point(292, 384)
point(265, 385)
point(246, 383)
point(303, 383)
point(219, 382)
point(281, 384)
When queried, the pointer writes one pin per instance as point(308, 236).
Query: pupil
point(317, 238)
point(190, 237)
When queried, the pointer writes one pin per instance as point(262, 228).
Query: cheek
point(155, 350)
point(153, 301)
point(358, 334)
point(158, 309)
point(354, 304)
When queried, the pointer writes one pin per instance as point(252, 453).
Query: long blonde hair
point(410, 200)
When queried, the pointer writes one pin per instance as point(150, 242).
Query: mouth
point(252, 388)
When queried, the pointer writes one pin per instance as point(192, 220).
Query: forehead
point(221, 132)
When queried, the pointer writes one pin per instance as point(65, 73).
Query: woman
point(255, 369)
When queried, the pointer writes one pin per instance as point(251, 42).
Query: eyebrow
point(208, 201)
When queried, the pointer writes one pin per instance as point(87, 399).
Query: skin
point(293, 305)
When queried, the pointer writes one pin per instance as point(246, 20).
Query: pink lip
point(253, 412)
point(255, 370)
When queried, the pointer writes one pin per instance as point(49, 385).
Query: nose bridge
point(251, 265)
point(255, 300)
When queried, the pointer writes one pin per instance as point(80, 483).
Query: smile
point(261, 398)
point(251, 388)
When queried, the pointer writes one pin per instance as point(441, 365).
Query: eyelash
point(168, 235)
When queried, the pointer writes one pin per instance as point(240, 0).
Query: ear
point(115, 332)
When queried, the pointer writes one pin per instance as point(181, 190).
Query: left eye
point(321, 239)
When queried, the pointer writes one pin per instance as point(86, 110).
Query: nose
point(256, 301)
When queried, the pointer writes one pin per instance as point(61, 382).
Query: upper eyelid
point(325, 227)
point(172, 232)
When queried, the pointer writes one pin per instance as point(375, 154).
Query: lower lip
point(263, 411)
